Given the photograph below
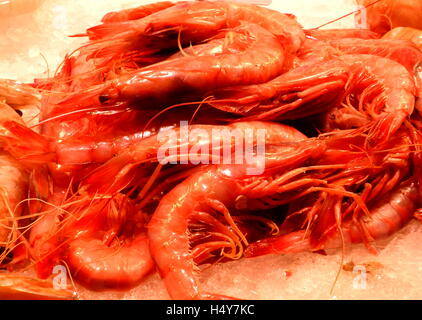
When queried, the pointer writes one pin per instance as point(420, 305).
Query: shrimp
point(196, 21)
point(136, 13)
point(388, 215)
point(23, 98)
point(13, 190)
point(385, 15)
point(371, 174)
point(20, 287)
point(401, 51)
point(101, 136)
point(42, 240)
point(18, 94)
point(215, 138)
point(189, 76)
point(105, 244)
point(315, 88)
point(405, 33)
point(214, 188)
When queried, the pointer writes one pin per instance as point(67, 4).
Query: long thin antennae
point(346, 15)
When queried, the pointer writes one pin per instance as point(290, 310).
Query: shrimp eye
point(20, 113)
point(104, 98)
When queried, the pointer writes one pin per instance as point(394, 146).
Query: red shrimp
point(214, 188)
point(405, 33)
point(14, 187)
point(136, 13)
point(214, 137)
point(107, 247)
point(18, 94)
point(189, 76)
point(42, 236)
point(196, 21)
point(388, 14)
point(316, 87)
point(103, 135)
point(102, 240)
point(388, 215)
point(401, 51)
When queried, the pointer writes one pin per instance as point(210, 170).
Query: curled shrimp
point(388, 215)
point(316, 87)
point(215, 188)
point(105, 243)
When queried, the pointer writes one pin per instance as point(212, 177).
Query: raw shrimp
point(261, 59)
point(214, 188)
point(121, 167)
point(405, 33)
point(371, 174)
point(315, 88)
point(385, 15)
point(106, 244)
point(18, 94)
point(388, 215)
point(14, 186)
point(195, 21)
point(401, 51)
point(136, 13)
point(23, 98)
point(42, 237)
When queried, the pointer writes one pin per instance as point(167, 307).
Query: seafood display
point(191, 133)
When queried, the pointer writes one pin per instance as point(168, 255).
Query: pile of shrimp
point(80, 150)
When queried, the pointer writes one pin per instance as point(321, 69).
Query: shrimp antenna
point(337, 211)
point(346, 15)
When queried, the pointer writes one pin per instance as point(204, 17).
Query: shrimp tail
point(289, 243)
point(27, 145)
